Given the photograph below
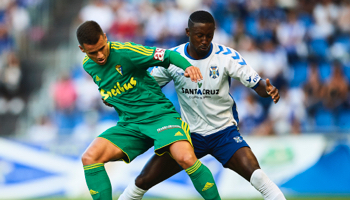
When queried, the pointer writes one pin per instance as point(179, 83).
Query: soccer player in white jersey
point(210, 111)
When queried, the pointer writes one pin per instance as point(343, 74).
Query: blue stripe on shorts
point(222, 145)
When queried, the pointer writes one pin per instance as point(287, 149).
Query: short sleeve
point(240, 70)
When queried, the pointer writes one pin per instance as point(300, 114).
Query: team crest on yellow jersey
point(119, 69)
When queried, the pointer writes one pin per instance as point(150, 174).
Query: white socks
point(132, 192)
point(265, 186)
point(259, 180)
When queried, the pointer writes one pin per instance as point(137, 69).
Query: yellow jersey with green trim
point(124, 82)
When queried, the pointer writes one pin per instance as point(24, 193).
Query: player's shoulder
point(179, 49)
point(224, 52)
point(120, 47)
point(87, 62)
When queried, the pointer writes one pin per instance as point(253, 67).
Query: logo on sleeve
point(159, 54)
point(238, 139)
point(97, 78)
point(256, 78)
point(214, 72)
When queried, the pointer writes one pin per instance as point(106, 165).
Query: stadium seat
point(343, 120)
point(346, 70)
point(300, 74)
point(325, 71)
point(319, 47)
point(344, 40)
point(324, 120)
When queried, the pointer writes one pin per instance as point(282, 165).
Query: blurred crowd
point(14, 21)
point(302, 46)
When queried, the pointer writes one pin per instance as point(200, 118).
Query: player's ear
point(105, 37)
point(188, 32)
point(81, 49)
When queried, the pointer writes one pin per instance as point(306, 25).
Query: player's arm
point(190, 71)
point(145, 57)
point(266, 89)
point(240, 70)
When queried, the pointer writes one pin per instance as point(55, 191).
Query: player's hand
point(194, 73)
point(272, 91)
point(107, 104)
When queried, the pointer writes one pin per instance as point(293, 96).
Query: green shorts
point(136, 138)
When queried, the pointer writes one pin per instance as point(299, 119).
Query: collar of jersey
point(188, 55)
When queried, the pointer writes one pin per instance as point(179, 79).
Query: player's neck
point(193, 53)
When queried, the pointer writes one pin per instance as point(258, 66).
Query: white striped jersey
point(207, 106)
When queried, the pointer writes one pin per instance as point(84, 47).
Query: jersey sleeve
point(240, 70)
point(145, 57)
point(161, 75)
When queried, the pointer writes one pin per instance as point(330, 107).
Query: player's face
point(200, 36)
point(98, 52)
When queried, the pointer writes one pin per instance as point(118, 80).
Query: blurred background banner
point(300, 165)
point(50, 109)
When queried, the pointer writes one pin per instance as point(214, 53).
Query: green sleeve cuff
point(179, 61)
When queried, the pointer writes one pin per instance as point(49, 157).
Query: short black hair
point(89, 33)
point(200, 16)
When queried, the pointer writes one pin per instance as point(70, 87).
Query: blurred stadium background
point(50, 110)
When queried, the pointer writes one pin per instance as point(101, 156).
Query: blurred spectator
point(87, 130)
point(20, 21)
point(64, 96)
point(344, 16)
point(290, 35)
point(313, 90)
point(271, 14)
point(11, 76)
point(325, 14)
point(125, 24)
point(86, 99)
point(155, 27)
point(99, 11)
point(43, 131)
point(253, 56)
point(251, 113)
point(275, 63)
point(6, 42)
point(176, 24)
point(64, 93)
point(288, 114)
point(336, 89)
point(287, 4)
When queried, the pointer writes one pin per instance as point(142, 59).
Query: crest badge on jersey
point(214, 72)
point(119, 69)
